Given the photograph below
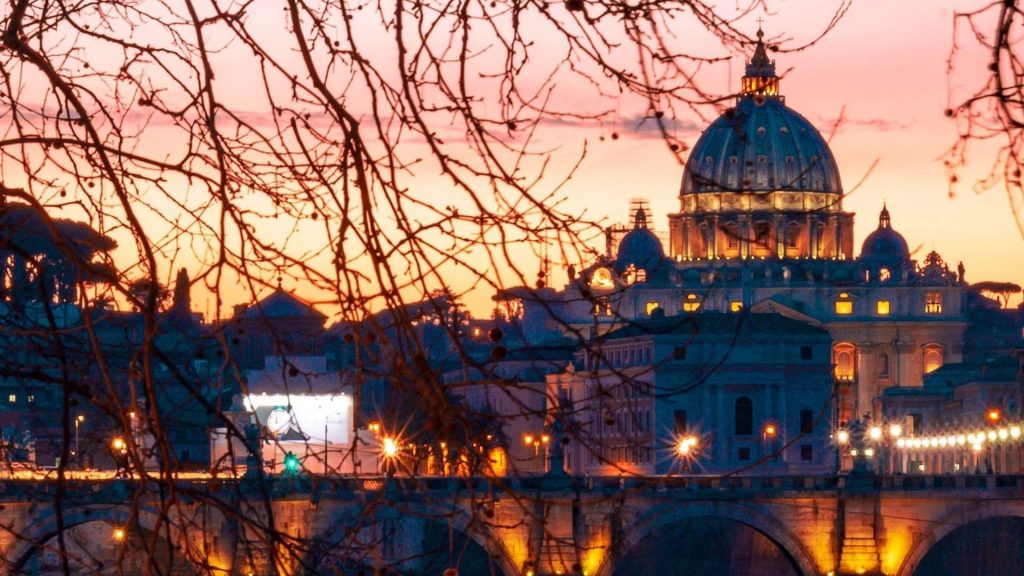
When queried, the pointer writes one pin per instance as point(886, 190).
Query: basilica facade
point(761, 231)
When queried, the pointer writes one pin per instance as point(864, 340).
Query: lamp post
point(768, 433)
point(686, 450)
point(119, 452)
point(78, 422)
point(537, 440)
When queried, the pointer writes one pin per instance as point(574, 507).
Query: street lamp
point(768, 433)
point(119, 452)
point(536, 440)
point(78, 422)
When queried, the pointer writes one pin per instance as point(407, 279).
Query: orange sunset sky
point(884, 68)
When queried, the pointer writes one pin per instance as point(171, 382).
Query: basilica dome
point(639, 248)
point(761, 145)
point(885, 244)
point(760, 182)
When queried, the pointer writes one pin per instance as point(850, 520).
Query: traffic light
point(291, 463)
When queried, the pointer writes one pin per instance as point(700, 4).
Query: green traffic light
point(291, 462)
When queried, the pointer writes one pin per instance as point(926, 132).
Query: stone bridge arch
point(751, 514)
point(960, 516)
point(461, 521)
point(44, 528)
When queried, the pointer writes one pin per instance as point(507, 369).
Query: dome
point(639, 247)
point(885, 243)
point(761, 145)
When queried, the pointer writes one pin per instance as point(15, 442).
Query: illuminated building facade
point(711, 392)
point(761, 230)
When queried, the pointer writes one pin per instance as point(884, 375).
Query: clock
point(279, 421)
point(601, 278)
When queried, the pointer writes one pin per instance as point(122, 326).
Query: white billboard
point(314, 418)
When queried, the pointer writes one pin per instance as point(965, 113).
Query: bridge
point(820, 525)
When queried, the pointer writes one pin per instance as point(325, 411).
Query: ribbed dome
point(885, 244)
point(639, 247)
point(761, 145)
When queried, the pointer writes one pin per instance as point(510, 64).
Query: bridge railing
point(23, 489)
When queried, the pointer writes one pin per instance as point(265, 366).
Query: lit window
point(933, 303)
point(884, 274)
point(844, 305)
point(691, 303)
point(652, 306)
point(12, 398)
point(735, 306)
point(932, 358)
point(601, 306)
point(31, 398)
point(882, 307)
point(844, 356)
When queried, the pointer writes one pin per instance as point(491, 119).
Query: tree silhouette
point(369, 153)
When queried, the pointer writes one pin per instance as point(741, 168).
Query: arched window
point(933, 357)
point(883, 365)
point(744, 416)
point(844, 356)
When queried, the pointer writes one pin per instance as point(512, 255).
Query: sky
point(883, 69)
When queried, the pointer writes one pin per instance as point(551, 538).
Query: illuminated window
point(691, 303)
point(652, 306)
point(31, 398)
point(12, 398)
point(844, 305)
point(735, 306)
point(601, 307)
point(844, 356)
point(882, 307)
point(884, 274)
point(932, 358)
point(933, 303)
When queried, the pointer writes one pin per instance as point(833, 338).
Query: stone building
point(762, 228)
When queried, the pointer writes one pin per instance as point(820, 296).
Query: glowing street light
point(390, 447)
point(875, 432)
point(843, 436)
point(78, 422)
point(686, 446)
point(895, 430)
point(994, 415)
point(117, 534)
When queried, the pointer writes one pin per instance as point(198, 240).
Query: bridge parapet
point(880, 525)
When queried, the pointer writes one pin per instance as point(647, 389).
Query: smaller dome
point(885, 244)
point(639, 247)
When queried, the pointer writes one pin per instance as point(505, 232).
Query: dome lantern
point(760, 79)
